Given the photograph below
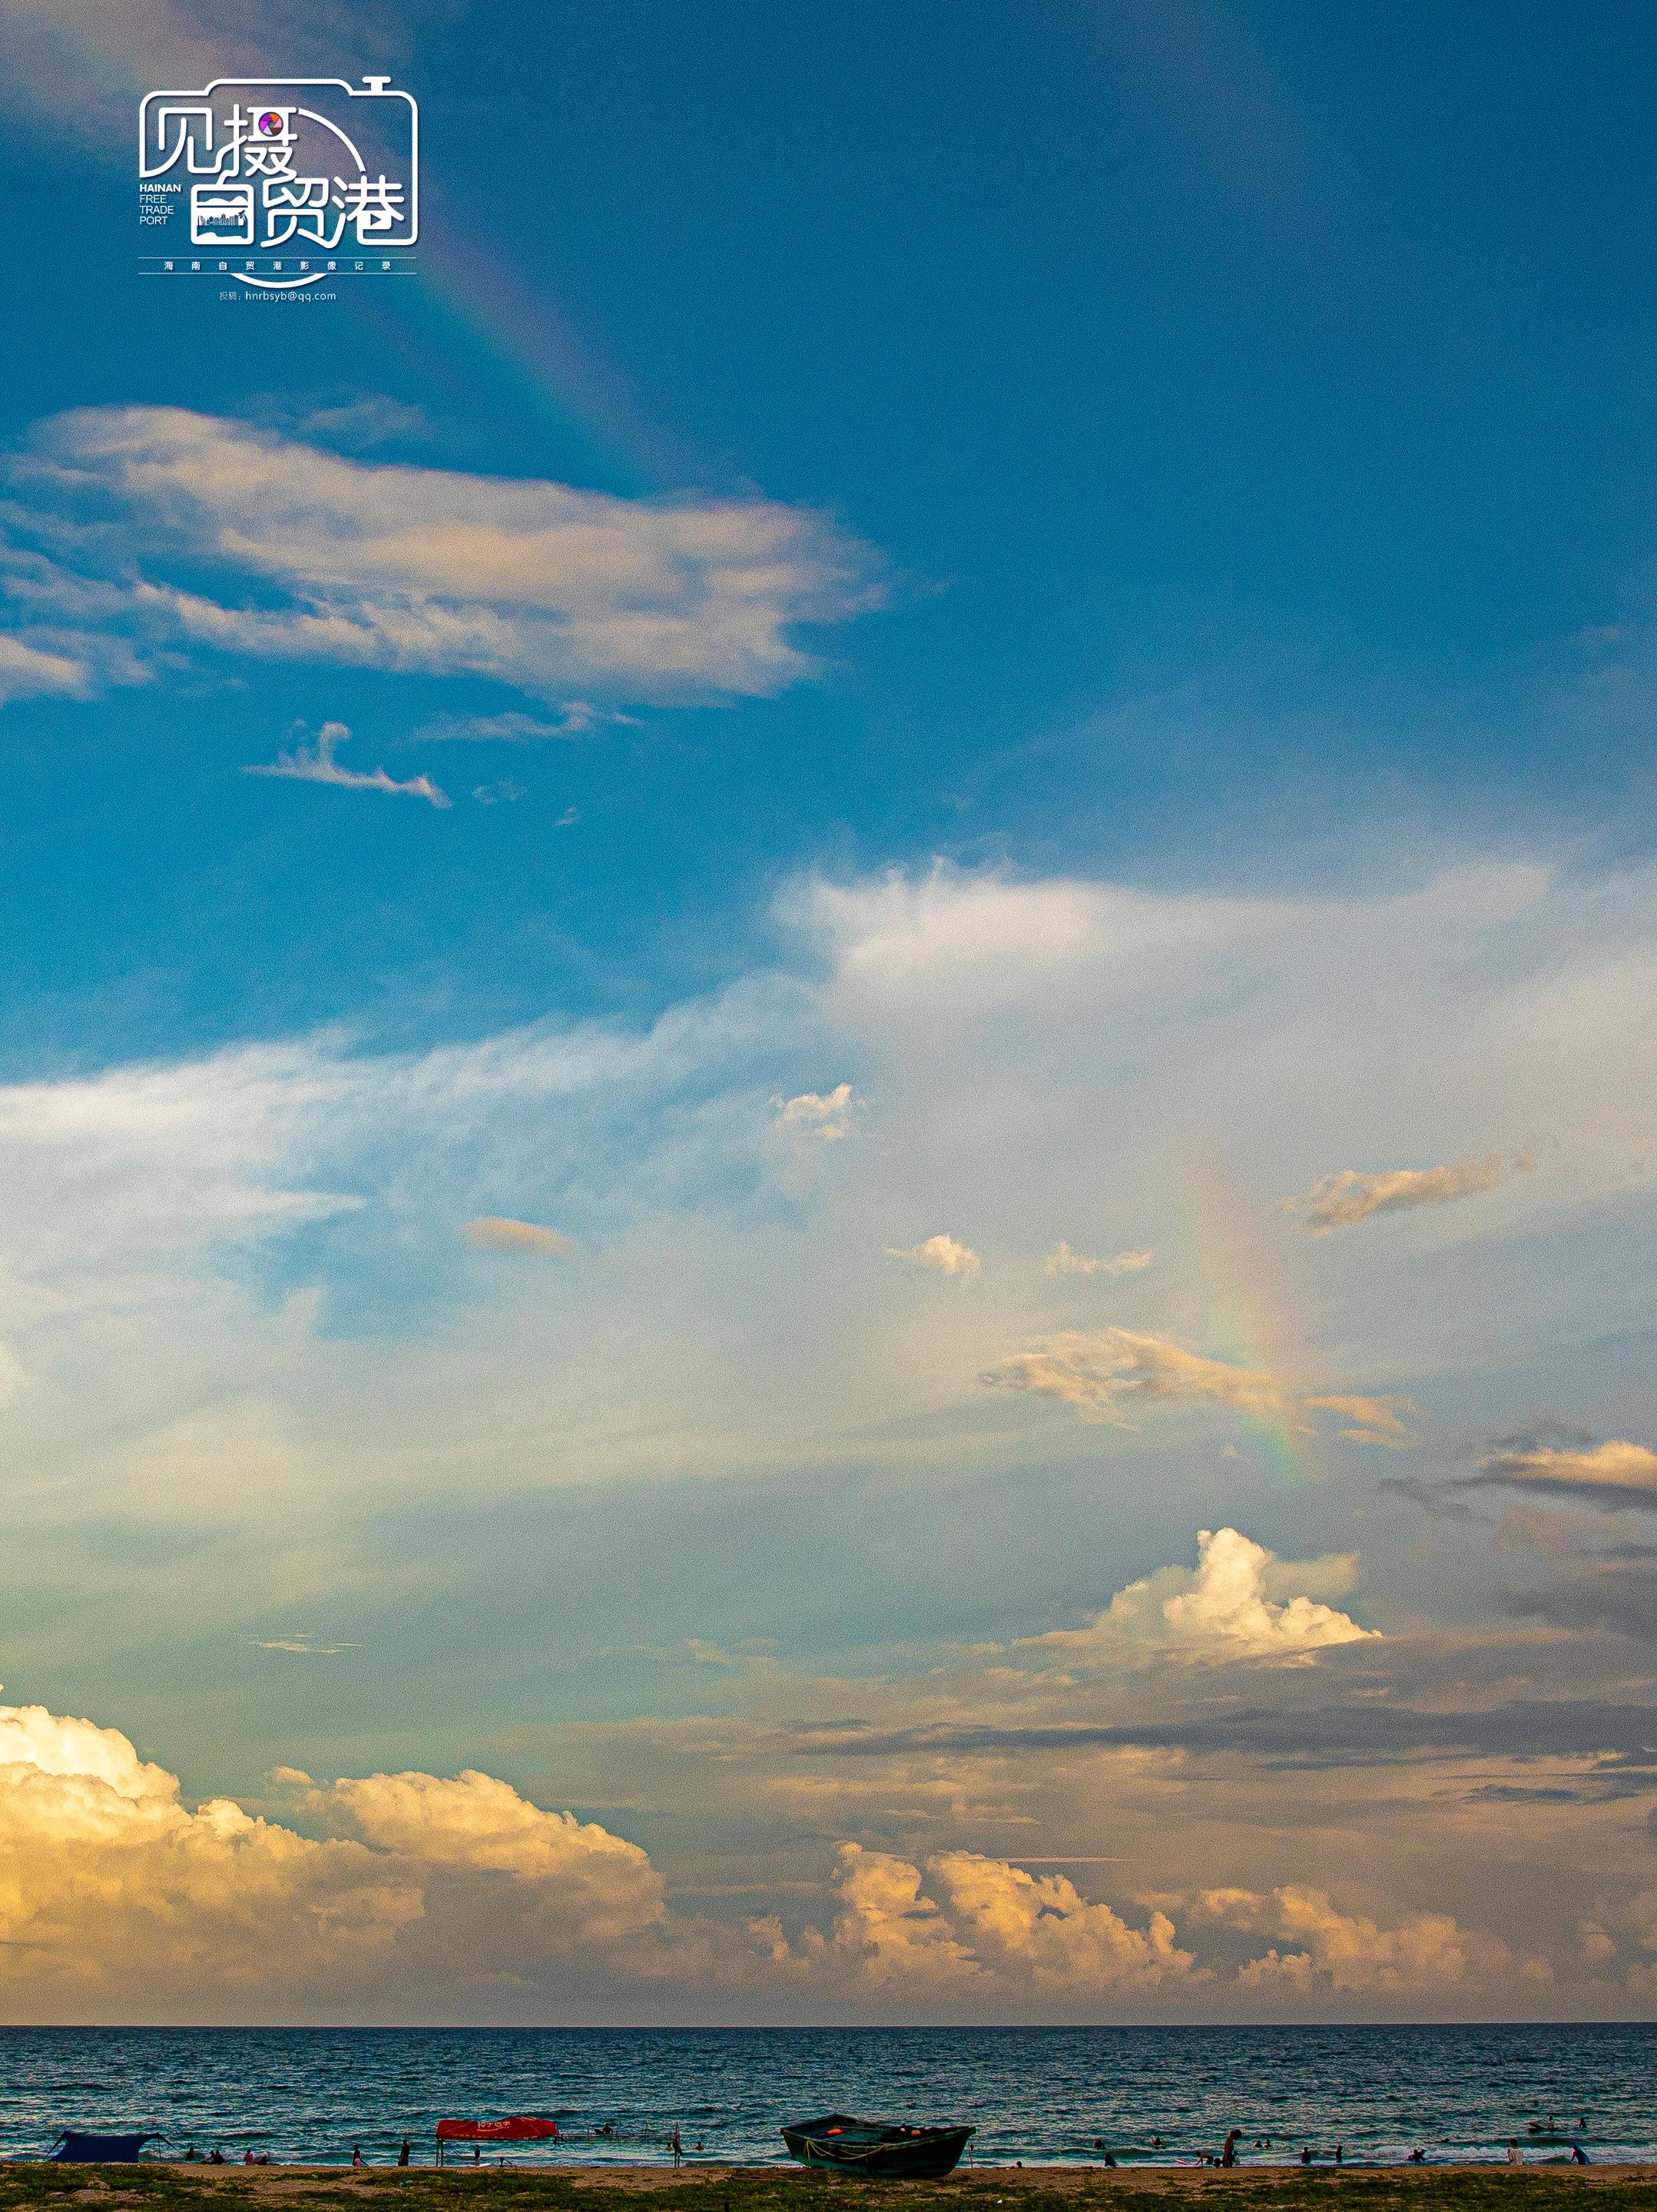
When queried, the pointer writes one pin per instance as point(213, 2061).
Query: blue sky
point(1250, 412)
point(926, 1043)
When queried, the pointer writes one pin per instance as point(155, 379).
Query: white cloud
point(827, 1115)
point(1099, 1371)
point(1061, 1260)
point(1339, 1201)
point(493, 1233)
point(529, 583)
point(374, 420)
point(942, 1254)
point(578, 717)
point(319, 765)
point(1241, 1602)
point(33, 670)
point(1351, 1952)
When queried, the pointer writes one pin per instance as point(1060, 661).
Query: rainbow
point(1252, 1317)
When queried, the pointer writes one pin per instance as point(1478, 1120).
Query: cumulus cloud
point(941, 1255)
point(317, 764)
point(1042, 1926)
point(1100, 1371)
point(602, 1886)
point(828, 1114)
point(1345, 1951)
point(990, 1919)
point(495, 1233)
point(1240, 1601)
point(1061, 1260)
point(110, 1885)
point(1350, 1195)
point(532, 583)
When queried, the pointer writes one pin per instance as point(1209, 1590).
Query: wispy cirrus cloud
point(1061, 1260)
point(318, 555)
point(317, 764)
point(1101, 1371)
point(304, 1645)
point(1351, 1195)
point(33, 669)
point(576, 719)
point(1374, 1420)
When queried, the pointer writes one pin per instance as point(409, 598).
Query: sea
point(1040, 2095)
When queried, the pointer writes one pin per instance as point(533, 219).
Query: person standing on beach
point(356, 2155)
point(675, 2144)
point(1516, 2156)
point(403, 2155)
point(1306, 2154)
point(1229, 2154)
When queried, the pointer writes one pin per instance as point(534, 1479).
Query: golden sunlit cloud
point(493, 1233)
point(1339, 1200)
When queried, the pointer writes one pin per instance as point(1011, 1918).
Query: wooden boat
point(881, 2148)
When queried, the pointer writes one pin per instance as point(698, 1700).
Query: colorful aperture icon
point(269, 124)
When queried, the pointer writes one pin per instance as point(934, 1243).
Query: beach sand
point(706, 2187)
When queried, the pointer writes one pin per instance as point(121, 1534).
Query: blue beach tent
point(77, 2149)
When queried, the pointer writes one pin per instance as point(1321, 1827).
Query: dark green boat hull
point(884, 2152)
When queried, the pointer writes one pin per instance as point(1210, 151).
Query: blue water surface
point(1035, 2094)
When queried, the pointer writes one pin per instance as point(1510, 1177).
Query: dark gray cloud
point(1620, 1598)
point(1618, 1739)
